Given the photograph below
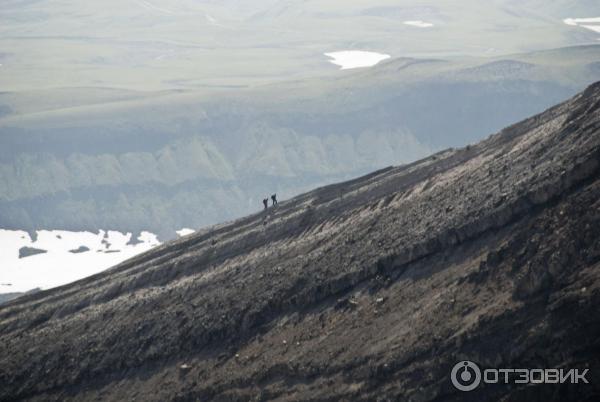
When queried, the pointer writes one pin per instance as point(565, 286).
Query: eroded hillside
point(364, 290)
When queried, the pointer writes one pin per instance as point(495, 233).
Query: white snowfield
point(348, 59)
point(419, 24)
point(592, 24)
point(59, 266)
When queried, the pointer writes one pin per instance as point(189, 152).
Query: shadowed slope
point(370, 288)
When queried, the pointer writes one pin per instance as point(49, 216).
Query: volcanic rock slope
point(370, 289)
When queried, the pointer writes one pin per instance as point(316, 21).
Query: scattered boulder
point(134, 239)
point(33, 235)
point(345, 303)
point(80, 249)
point(29, 251)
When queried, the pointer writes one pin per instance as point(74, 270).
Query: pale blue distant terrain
point(145, 115)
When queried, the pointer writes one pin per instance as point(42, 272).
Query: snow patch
point(577, 21)
point(348, 59)
point(418, 24)
point(185, 232)
point(60, 265)
point(592, 24)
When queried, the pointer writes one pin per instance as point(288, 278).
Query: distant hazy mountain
point(89, 158)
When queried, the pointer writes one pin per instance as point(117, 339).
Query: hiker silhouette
point(266, 203)
point(274, 199)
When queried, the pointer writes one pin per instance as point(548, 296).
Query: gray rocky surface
point(371, 289)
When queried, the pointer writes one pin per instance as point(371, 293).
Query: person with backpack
point(274, 199)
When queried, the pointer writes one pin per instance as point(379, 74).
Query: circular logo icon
point(465, 376)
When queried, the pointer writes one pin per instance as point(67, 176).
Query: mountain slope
point(372, 288)
point(85, 158)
